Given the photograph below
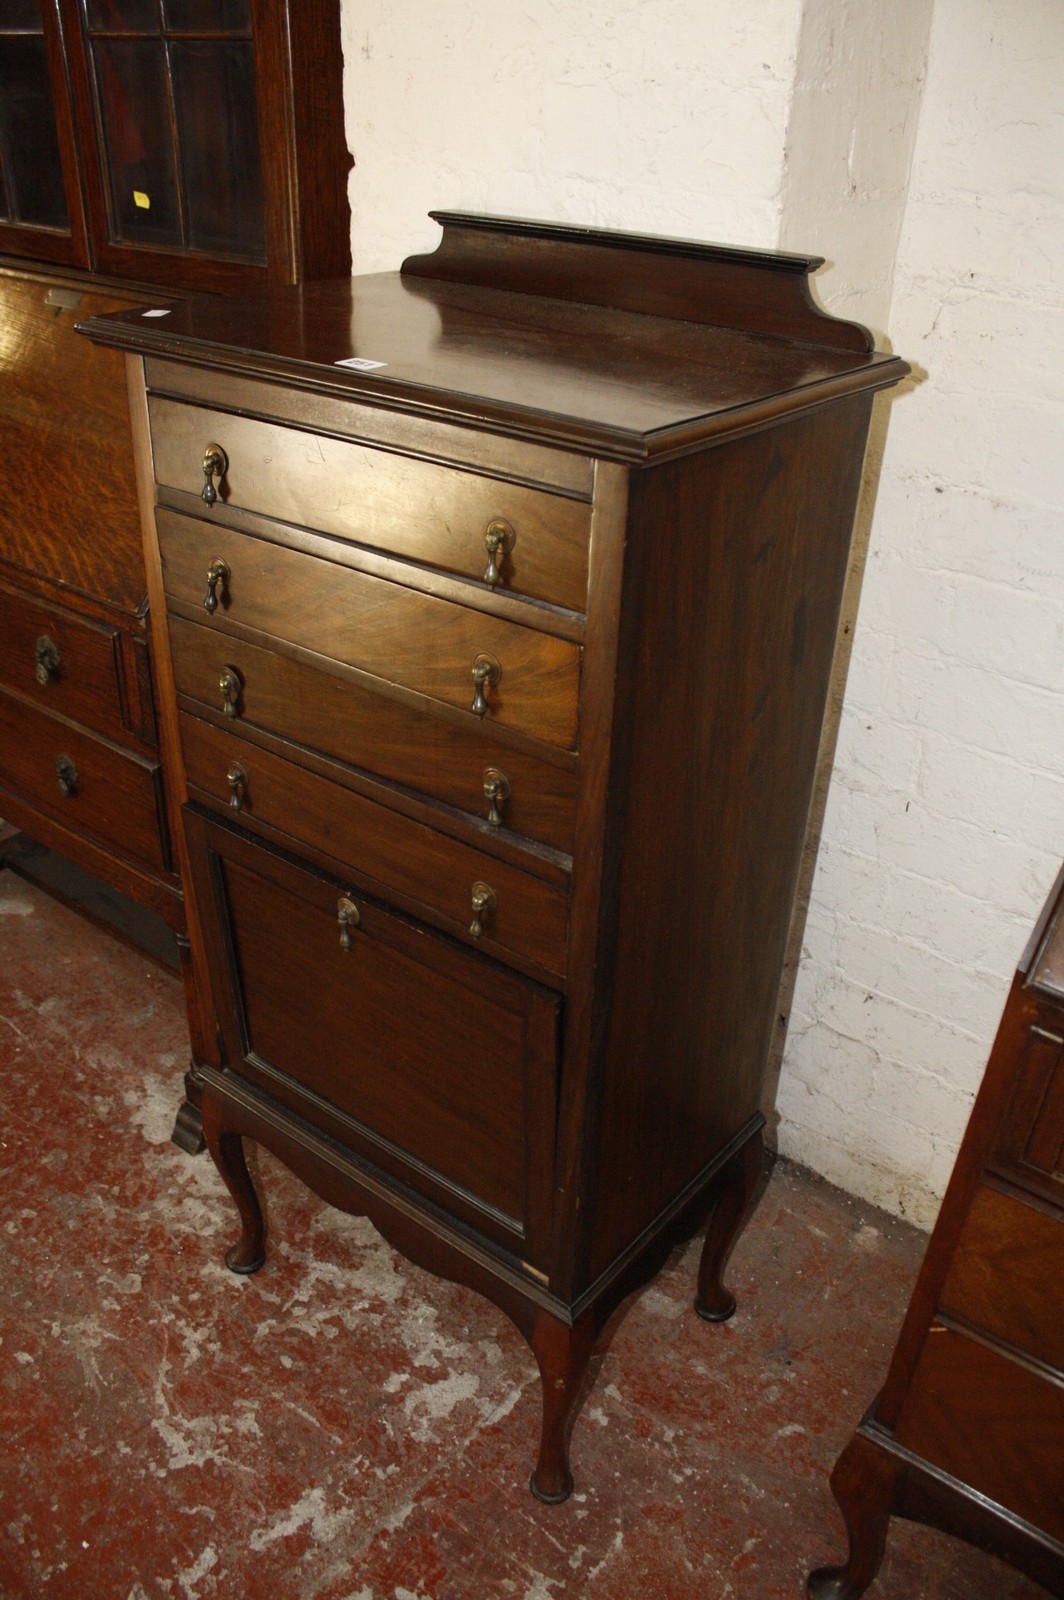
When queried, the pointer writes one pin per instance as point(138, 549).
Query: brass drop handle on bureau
point(237, 779)
point(496, 793)
point(347, 915)
point(486, 673)
point(230, 686)
point(46, 655)
point(215, 463)
point(67, 774)
point(217, 573)
point(485, 904)
point(500, 539)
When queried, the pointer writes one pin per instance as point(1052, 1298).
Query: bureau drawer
point(1007, 1274)
point(111, 796)
point(429, 1060)
point(991, 1422)
point(439, 516)
point(391, 853)
point(395, 634)
point(64, 662)
point(383, 736)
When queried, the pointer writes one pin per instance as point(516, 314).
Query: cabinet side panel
point(737, 559)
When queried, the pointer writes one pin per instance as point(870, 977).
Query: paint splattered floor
point(345, 1427)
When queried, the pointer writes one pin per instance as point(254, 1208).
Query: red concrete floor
point(345, 1427)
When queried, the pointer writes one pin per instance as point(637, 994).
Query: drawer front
point(990, 1422)
point(380, 735)
point(439, 516)
point(1007, 1274)
point(395, 634)
point(390, 853)
point(108, 795)
point(429, 1060)
point(343, 416)
point(64, 662)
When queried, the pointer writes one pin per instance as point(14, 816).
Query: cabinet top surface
point(632, 348)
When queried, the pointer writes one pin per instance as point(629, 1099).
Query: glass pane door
point(175, 94)
point(31, 173)
point(214, 88)
point(134, 100)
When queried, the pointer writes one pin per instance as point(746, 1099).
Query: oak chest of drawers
point(497, 601)
point(968, 1433)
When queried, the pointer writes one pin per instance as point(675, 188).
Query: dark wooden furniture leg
point(563, 1354)
point(188, 1124)
point(227, 1152)
point(876, 1479)
point(738, 1190)
point(864, 1483)
point(562, 1348)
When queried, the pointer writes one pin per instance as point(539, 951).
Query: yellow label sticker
point(141, 199)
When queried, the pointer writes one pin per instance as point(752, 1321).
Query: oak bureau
point(495, 603)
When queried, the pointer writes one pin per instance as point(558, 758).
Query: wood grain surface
point(384, 629)
point(341, 718)
point(423, 511)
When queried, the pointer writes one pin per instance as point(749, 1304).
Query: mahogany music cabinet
point(495, 603)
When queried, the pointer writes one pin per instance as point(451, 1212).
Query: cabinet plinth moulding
point(528, 563)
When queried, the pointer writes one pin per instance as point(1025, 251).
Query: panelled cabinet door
point(433, 1064)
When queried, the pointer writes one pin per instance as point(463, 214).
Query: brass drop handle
point(500, 539)
point(496, 793)
point(215, 464)
point(46, 654)
point(485, 903)
point(217, 573)
point(347, 916)
point(237, 779)
point(486, 672)
point(230, 685)
point(67, 774)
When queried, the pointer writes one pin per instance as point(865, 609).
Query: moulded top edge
point(623, 385)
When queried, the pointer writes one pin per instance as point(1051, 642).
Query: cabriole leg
point(864, 1483)
point(227, 1152)
point(563, 1354)
point(739, 1185)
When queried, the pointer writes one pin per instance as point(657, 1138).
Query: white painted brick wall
point(795, 122)
point(945, 821)
point(660, 115)
point(850, 136)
